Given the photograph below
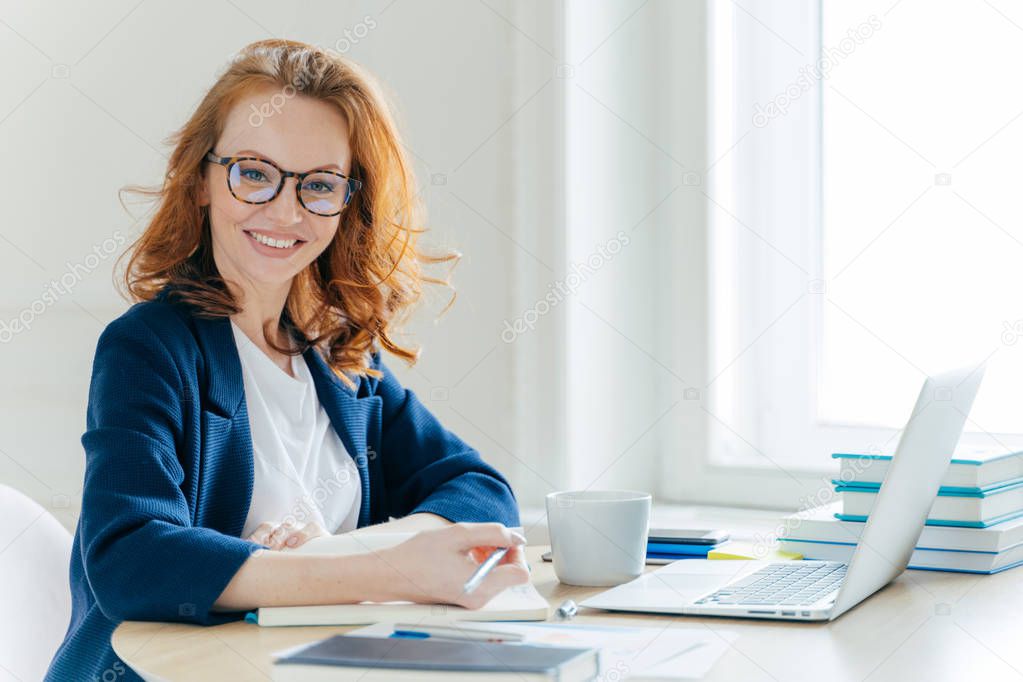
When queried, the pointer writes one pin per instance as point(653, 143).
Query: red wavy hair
point(370, 274)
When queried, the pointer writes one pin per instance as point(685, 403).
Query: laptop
point(824, 590)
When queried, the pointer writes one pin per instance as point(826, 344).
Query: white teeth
point(276, 243)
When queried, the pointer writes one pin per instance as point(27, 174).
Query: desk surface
point(925, 626)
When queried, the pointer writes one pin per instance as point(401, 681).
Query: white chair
point(35, 599)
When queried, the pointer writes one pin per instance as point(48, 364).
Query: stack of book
point(668, 545)
point(665, 545)
point(662, 551)
point(974, 526)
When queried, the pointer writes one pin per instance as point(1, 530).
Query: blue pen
point(454, 633)
point(476, 578)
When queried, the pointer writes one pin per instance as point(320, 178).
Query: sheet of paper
point(694, 664)
point(275, 655)
point(642, 653)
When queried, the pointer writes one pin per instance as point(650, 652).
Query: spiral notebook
point(522, 602)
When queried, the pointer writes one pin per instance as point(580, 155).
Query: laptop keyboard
point(792, 583)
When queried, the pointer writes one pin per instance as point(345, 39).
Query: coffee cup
point(598, 537)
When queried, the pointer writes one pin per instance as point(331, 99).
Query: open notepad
point(521, 602)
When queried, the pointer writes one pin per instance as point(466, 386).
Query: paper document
point(628, 653)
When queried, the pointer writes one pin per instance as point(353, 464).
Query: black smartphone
point(687, 536)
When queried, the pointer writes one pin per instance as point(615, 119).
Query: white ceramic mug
point(598, 537)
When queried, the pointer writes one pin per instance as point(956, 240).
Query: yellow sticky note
point(744, 551)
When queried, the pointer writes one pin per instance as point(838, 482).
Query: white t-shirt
point(302, 471)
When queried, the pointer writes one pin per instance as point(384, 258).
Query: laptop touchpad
point(673, 586)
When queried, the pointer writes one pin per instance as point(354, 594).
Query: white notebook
point(521, 602)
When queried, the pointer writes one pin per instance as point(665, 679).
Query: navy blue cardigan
point(168, 476)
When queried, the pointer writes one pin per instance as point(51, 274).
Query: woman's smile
point(272, 244)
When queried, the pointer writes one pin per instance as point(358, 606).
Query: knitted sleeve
point(143, 557)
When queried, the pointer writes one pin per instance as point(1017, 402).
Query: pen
point(481, 572)
point(410, 631)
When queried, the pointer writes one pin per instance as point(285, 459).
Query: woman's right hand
point(432, 566)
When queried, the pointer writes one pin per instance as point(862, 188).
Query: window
point(864, 224)
point(922, 249)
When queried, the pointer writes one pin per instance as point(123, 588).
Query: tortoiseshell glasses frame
point(268, 188)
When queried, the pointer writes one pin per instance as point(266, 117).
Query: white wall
point(482, 90)
point(636, 157)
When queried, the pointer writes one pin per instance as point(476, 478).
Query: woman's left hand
point(286, 535)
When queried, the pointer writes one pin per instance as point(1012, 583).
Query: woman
point(241, 406)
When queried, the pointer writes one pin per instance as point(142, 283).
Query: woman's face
point(297, 134)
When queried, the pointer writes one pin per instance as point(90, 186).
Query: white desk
point(925, 626)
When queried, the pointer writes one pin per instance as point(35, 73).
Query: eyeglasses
point(258, 181)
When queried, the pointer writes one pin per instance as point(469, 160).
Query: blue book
point(944, 490)
point(969, 470)
point(667, 549)
point(975, 509)
point(655, 558)
point(923, 558)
